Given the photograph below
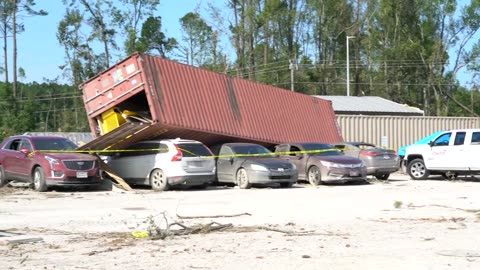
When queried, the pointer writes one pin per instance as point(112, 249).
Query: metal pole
point(348, 66)
point(291, 76)
point(293, 65)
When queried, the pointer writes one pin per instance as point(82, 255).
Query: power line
point(41, 99)
point(366, 83)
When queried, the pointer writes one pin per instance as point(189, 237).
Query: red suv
point(45, 161)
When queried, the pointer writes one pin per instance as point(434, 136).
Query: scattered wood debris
point(214, 216)
point(459, 253)
point(9, 238)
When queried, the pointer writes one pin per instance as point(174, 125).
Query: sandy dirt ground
point(396, 224)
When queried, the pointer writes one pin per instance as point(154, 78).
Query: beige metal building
point(392, 132)
point(388, 124)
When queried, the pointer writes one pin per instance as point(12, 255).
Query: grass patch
point(397, 204)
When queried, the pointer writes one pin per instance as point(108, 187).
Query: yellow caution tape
point(202, 156)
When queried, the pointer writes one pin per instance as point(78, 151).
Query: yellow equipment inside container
point(111, 119)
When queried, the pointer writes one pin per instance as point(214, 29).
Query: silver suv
point(164, 163)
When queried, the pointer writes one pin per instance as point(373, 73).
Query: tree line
point(409, 51)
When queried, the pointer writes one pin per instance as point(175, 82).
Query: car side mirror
point(230, 159)
point(430, 143)
point(25, 151)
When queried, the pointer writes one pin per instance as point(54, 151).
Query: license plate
point(196, 164)
point(386, 157)
point(82, 175)
point(354, 173)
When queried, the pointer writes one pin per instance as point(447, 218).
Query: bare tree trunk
point(14, 44)
point(251, 39)
point(5, 51)
point(265, 37)
point(238, 36)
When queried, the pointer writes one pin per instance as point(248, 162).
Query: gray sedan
point(380, 162)
point(245, 164)
point(320, 163)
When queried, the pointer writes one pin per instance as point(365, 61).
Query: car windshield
point(52, 144)
point(252, 150)
point(318, 149)
point(364, 145)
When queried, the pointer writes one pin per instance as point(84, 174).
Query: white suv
point(449, 154)
point(164, 163)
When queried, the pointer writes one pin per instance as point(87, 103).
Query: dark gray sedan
point(245, 164)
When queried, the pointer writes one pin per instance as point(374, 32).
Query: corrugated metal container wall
point(205, 105)
point(395, 131)
point(203, 100)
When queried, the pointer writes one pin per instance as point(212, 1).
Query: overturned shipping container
point(161, 98)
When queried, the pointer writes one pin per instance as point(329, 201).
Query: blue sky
point(39, 52)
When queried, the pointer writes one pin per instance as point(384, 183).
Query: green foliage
point(44, 107)
point(128, 15)
point(153, 39)
point(197, 39)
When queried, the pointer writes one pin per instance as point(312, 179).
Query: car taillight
point(178, 155)
point(370, 154)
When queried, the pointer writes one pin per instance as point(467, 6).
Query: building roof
point(369, 105)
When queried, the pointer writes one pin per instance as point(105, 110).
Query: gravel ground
point(396, 224)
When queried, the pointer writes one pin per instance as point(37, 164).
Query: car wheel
point(39, 183)
point(417, 170)
point(286, 184)
point(3, 179)
point(242, 179)
point(314, 176)
point(158, 180)
point(382, 176)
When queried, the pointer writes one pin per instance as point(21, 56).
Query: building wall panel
point(395, 131)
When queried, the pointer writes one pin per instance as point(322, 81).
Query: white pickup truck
point(452, 153)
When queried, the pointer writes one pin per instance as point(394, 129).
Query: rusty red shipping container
point(193, 103)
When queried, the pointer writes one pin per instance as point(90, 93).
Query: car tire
point(286, 184)
point(417, 170)
point(158, 180)
point(242, 179)
point(384, 176)
point(314, 176)
point(39, 183)
point(3, 178)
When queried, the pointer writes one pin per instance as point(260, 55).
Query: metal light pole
point(292, 66)
point(348, 66)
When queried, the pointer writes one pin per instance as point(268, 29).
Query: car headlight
point(256, 167)
point(330, 164)
point(52, 161)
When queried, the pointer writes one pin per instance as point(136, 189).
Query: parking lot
point(395, 224)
